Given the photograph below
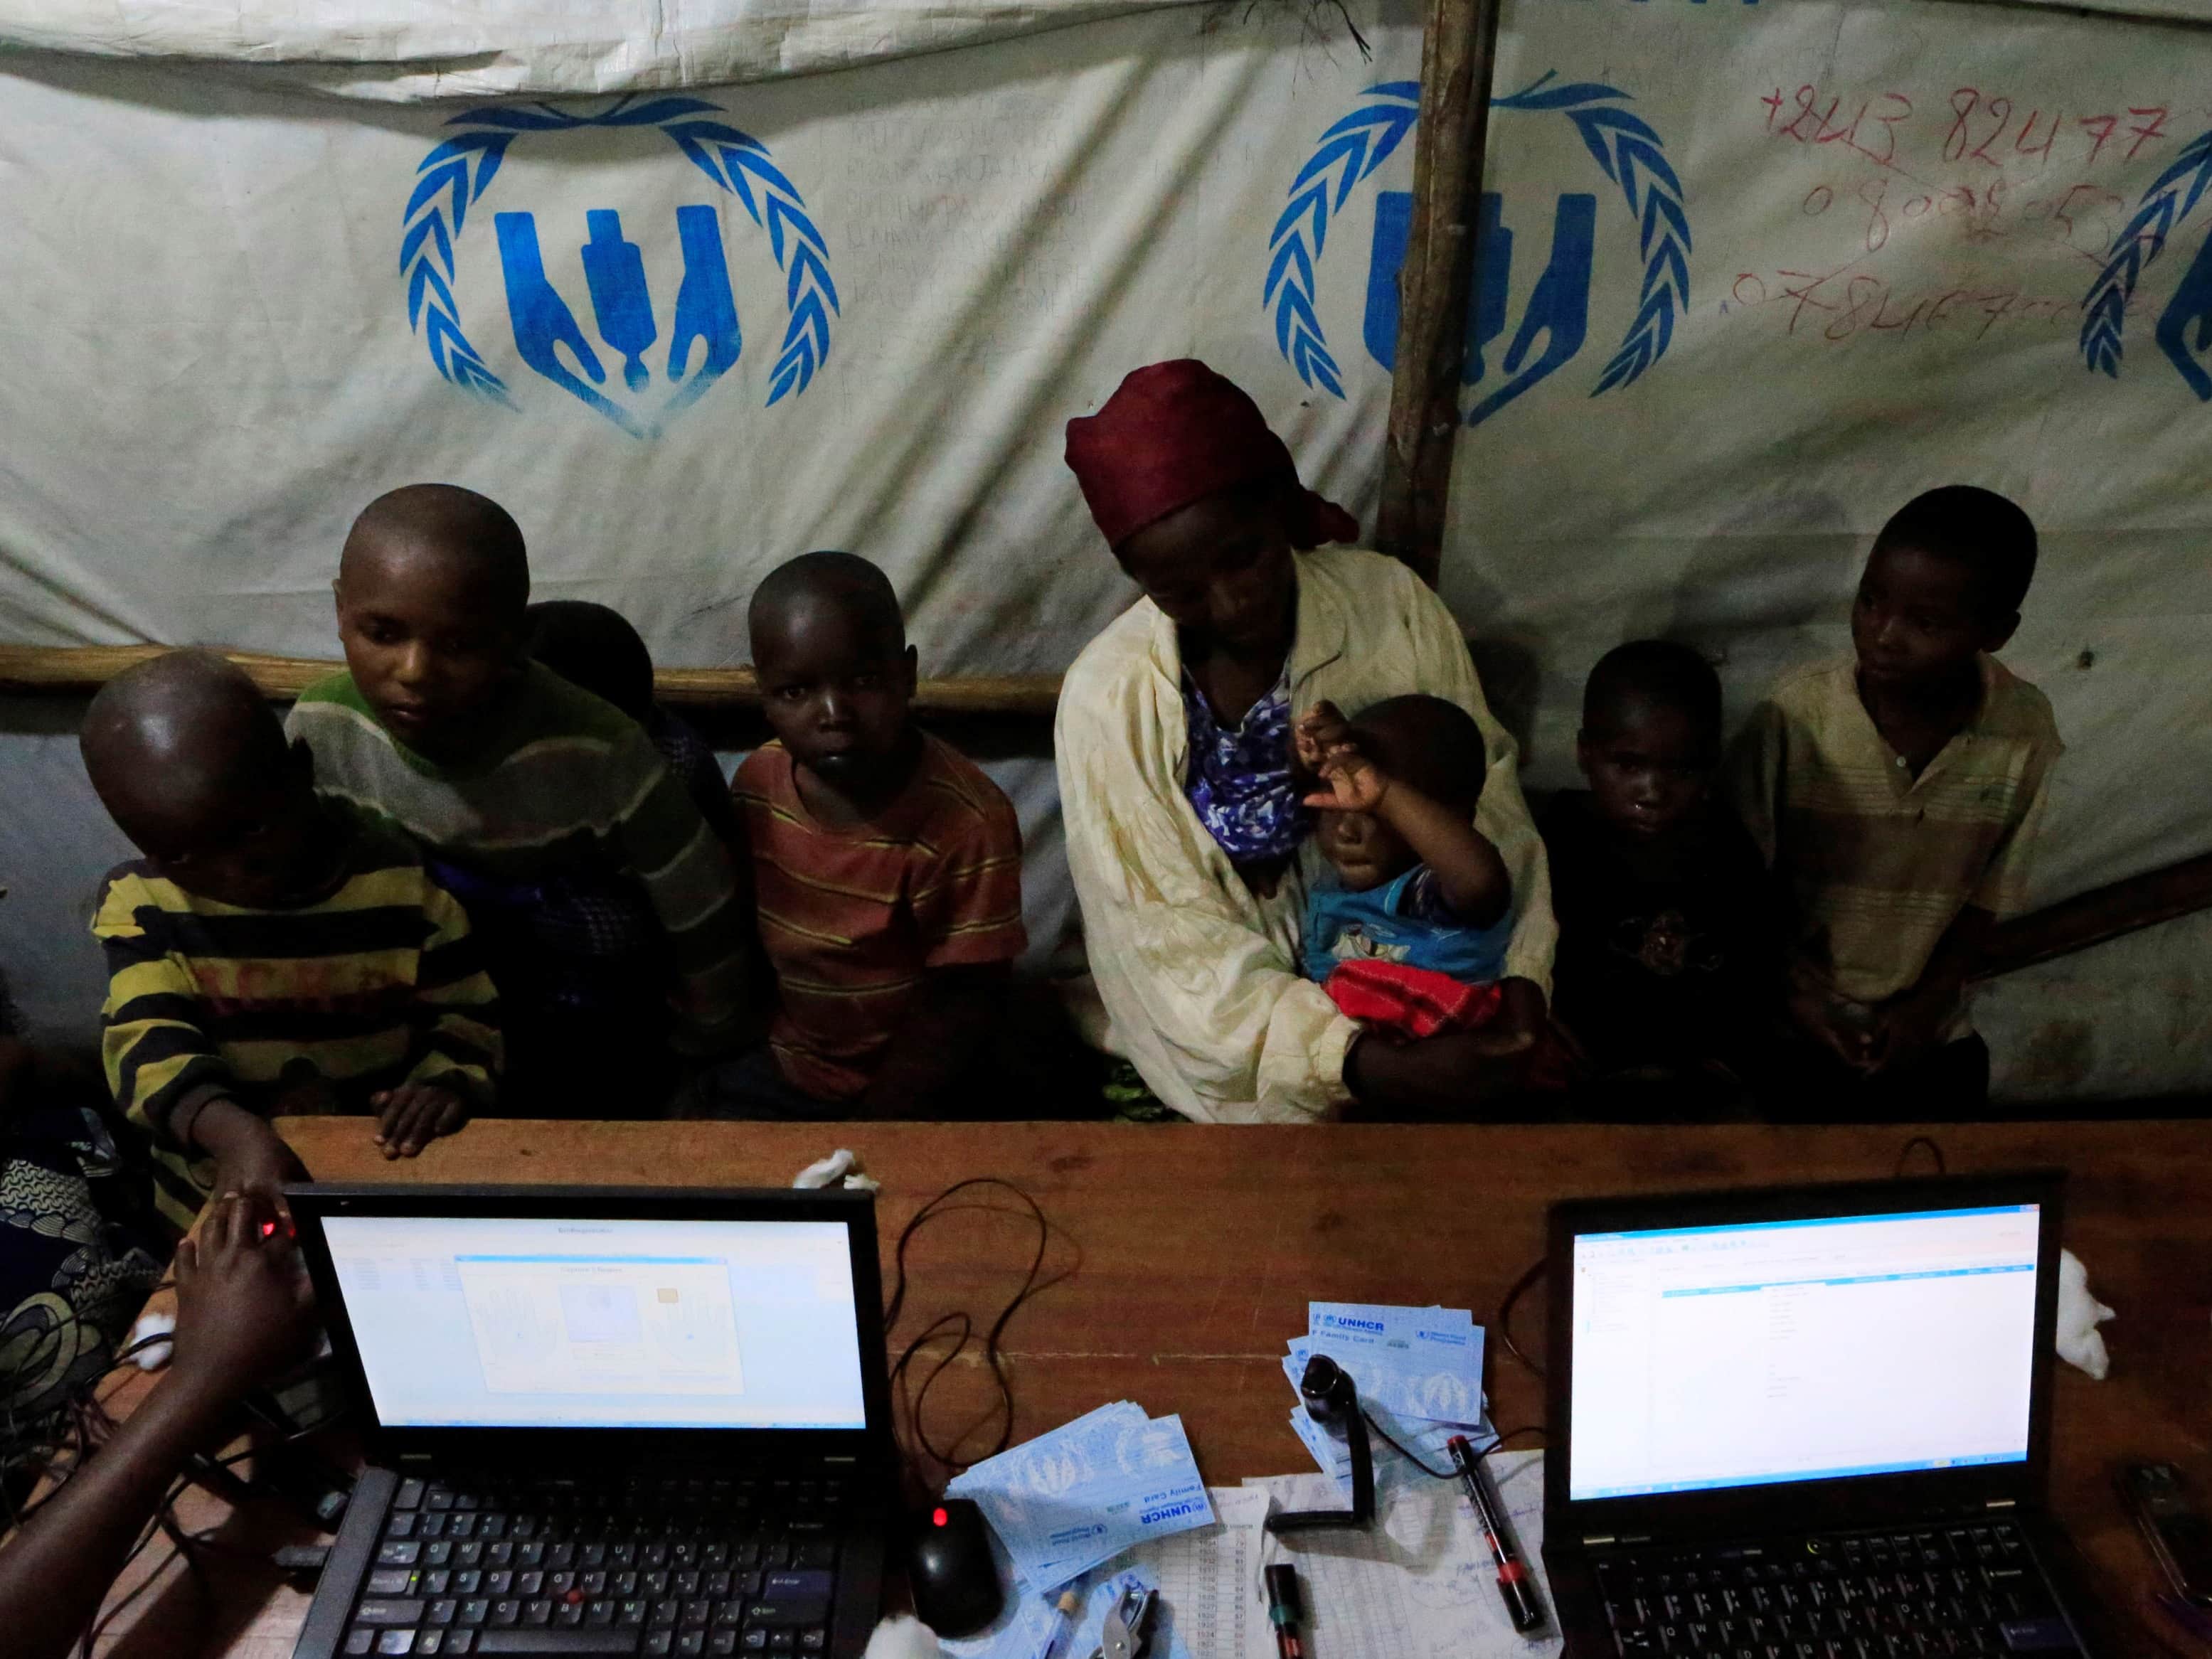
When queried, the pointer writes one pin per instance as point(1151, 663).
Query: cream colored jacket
point(1198, 977)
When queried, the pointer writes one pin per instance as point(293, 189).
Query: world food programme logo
point(1556, 319)
point(2184, 327)
point(704, 341)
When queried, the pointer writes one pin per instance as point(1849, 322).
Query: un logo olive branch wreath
point(455, 174)
point(1625, 146)
point(2170, 199)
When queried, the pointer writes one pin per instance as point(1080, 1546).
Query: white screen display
point(1742, 1355)
point(484, 1322)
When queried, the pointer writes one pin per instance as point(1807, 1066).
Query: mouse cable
point(959, 1327)
point(1904, 1156)
point(1445, 1474)
point(1520, 1287)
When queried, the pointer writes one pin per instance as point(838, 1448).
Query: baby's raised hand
point(1352, 782)
point(1320, 728)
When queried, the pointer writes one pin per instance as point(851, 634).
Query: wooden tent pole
point(1459, 49)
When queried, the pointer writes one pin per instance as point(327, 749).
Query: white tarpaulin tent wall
point(1755, 274)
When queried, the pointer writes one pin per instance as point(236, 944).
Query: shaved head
point(843, 583)
point(836, 677)
point(470, 540)
point(171, 743)
point(432, 590)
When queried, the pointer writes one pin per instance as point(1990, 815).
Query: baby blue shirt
point(1403, 921)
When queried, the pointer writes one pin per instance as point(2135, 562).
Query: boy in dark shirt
point(595, 646)
point(1668, 962)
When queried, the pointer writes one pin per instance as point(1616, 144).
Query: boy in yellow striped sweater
point(272, 950)
point(1896, 794)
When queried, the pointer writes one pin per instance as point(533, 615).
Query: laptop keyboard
point(1851, 1595)
point(632, 1566)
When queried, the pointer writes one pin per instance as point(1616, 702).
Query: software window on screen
point(1801, 1350)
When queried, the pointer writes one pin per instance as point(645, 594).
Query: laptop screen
point(1810, 1350)
point(633, 1324)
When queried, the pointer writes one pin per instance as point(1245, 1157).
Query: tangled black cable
point(960, 1326)
point(1520, 1288)
point(1904, 1156)
point(1447, 1474)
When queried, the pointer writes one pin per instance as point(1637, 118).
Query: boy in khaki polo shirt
point(1896, 794)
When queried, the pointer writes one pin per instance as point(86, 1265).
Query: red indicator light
point(938, 1517)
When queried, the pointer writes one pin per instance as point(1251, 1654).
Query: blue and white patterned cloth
point(1239, 782)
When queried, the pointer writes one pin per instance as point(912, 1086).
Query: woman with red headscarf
point(1186, 835)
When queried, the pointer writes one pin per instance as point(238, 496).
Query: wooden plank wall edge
point(82, 670)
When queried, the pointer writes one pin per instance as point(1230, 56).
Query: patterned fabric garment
point(71, 1279)
point(1240, 783)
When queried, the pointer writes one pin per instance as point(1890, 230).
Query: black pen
point(1283, 1610)
point(1521, 1604)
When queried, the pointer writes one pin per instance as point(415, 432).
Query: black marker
point(1521, 1604)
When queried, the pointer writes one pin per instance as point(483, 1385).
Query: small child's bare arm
point(249, 1156)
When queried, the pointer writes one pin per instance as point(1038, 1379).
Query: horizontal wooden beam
point(2100, 915)
point(81, 670)
point(2074, 924)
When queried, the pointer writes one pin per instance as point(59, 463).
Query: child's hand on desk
point(412, 1116)
point(244, 1309)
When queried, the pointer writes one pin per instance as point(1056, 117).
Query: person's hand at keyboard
point(244, 1313)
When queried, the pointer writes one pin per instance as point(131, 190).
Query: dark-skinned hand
point(412, 1116)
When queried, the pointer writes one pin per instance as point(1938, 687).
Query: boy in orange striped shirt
point(886, 867)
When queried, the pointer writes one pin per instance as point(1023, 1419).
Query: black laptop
point(604, 1421)
point(1802, 1423)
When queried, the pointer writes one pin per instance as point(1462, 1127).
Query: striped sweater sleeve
point(461, 1048)
point(161, 1065)
point(691, 885)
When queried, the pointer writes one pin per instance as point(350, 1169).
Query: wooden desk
point(1199, 1248)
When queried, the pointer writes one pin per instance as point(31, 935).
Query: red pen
point(1520, 1603)
point(1283, 1610)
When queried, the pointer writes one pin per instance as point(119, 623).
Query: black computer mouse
point(956, 1581)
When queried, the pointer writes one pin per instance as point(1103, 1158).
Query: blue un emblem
point(634, 357)
point(1505, 356)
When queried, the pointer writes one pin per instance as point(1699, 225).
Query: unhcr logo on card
point(633, 352)
point(1554, 282)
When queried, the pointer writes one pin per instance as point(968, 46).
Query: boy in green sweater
point(519, 786)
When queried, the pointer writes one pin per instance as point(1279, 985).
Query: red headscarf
point(1176, 433)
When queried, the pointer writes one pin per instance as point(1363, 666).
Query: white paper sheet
point(1420, 1585)
point(1209, 1579)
